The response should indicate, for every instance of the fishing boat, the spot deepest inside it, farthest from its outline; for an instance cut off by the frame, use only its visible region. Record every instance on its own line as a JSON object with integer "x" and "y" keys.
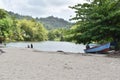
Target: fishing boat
{"x": 101, "y": 48}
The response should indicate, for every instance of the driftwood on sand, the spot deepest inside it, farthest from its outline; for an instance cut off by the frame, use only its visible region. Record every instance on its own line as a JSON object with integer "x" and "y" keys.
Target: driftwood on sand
{"x": 1, "y": 51}
{"x": 114, "y": 54}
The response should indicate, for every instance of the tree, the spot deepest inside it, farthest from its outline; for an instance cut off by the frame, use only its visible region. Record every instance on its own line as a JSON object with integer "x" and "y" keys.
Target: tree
{"x": 3, "y": 14}
{"x": 98, "y": 20}
{"x": 29, "y": 30}
{"x": 70, "y": 33}
{"x": 51, "y": 35}
{"x": 58, "y": 34}
{"x": 20, "y": 30}
{"x": 6, "y": 26}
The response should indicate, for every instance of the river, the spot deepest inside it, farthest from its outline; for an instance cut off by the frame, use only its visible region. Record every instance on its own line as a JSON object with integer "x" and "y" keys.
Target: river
{"x": 51, "y": 46}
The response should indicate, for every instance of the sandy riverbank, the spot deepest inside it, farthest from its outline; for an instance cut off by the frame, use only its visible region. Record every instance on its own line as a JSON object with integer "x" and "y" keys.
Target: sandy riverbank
{"x": 28, "y": 64}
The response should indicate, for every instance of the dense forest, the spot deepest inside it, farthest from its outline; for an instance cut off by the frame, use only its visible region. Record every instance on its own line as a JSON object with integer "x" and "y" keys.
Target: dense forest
{"x": 12, "y": 29}
{"x": 15, "y": 27}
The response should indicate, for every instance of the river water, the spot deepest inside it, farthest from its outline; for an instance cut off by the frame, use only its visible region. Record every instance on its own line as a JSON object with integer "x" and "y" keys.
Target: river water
{"x": 51, "y": 46}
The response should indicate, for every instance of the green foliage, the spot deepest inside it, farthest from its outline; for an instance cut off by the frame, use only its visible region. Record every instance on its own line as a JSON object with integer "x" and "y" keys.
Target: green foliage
{"x": 24, "y": 29}
{"x": 57, "y": 34}
{"x": 18, "y": 16}
{"x": 54, "y": 23}
{"x": 70, "y": 33}
{"x": 98, "y": 20}
{"x": 54, "y": 34}
{"x": 3, "y": 14}
{"x": 6, "y": 25}
{"x": 29, "y": 30}
{"x": 48, "y": 22}
{"x": 20, "y": 30}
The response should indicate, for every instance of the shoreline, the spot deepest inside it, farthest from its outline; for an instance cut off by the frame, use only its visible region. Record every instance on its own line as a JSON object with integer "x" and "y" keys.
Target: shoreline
{"x": 31, "y": 64}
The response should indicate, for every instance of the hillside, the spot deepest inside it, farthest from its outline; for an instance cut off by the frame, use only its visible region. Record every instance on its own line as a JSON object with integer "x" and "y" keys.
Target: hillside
{"x": 18, "y": 16}
{"x": 49, "y": 22}
{"x": 54, "y": 22}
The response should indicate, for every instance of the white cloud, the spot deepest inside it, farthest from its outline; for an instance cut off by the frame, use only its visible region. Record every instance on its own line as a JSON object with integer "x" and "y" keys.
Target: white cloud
{"x": 41, "y": 8}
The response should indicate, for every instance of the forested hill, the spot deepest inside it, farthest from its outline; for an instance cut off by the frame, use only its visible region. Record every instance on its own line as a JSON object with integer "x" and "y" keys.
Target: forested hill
{"x": 18, "y": 16}
{"x": 54, "y": 22}
{"x": 49, "y": 22}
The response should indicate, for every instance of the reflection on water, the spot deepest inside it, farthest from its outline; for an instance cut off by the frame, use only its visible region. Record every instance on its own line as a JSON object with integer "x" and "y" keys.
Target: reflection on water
{"x": 51, "y": 46}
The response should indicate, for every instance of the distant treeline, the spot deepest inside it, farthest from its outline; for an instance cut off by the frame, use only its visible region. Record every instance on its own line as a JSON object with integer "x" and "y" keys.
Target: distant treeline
{"x": 50, "y": 22}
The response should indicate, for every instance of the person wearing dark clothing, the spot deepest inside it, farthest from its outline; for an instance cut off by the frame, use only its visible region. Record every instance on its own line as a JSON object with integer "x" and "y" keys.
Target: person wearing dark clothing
{"x": 0, "y": 41}
{"x": 31, "y": 45}
{"x": 28, "y": 46}
{"x": 87, "y": 46}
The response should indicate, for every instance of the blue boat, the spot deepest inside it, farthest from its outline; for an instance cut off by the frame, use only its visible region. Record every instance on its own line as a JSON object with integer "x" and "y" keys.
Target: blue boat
{"x": 101, "y": 48}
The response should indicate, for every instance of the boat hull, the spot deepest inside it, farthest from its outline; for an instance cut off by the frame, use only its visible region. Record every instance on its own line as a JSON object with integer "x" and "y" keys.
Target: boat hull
{"x": 101, "y": 48}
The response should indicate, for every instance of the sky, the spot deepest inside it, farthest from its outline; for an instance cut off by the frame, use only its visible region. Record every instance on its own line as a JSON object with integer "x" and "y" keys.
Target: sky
{"x": 41, "y": 8}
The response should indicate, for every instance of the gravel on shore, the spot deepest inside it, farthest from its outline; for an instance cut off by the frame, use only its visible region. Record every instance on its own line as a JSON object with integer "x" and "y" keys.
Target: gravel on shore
{"x": 29, "y": 64}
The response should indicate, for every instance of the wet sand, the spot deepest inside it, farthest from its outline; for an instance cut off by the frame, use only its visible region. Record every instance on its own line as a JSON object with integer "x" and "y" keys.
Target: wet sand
{"x": 29, "y": 64}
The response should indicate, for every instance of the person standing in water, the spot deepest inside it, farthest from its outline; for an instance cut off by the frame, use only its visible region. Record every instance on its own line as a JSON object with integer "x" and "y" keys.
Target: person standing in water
{"x": 31, "y": 45}
{"x": 28, "y": 46}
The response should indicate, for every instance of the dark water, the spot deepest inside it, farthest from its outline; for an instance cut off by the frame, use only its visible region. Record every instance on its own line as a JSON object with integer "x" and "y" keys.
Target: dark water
{"x": 51, "y": 46}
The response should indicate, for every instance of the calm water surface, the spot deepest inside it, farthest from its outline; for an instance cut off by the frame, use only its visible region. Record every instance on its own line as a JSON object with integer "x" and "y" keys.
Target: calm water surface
{"x": 51, "y": 46}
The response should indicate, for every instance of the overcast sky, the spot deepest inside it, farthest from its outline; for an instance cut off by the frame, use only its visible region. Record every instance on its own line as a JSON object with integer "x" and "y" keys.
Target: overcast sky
{"x": 41, "y": 8}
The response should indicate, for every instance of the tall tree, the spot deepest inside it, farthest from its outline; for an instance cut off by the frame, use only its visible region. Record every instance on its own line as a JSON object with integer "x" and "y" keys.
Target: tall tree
{"x": 98, "y": 20}
{"x": 29, "y": 30}
{"x": 6, "y": 25}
